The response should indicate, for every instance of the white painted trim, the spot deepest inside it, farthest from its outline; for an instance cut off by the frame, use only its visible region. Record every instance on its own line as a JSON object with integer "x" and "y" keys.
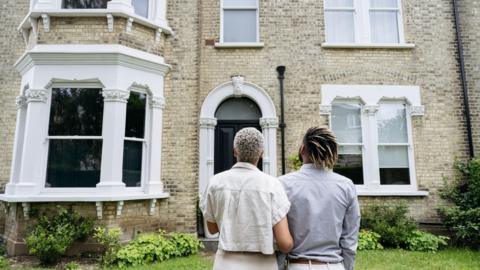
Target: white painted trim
{"x": 118, "y": 8}
{"x": 369, "y": 97}
{"x": 84, "y": 197}
{"x": 327, "y": 45}
{"x": 395, "y": 193}
{"x": 72, "y": 54}
{"x": 225, "y": 45}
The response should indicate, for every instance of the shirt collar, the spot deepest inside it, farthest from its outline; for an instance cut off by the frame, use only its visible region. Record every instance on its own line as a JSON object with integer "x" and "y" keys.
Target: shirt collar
{"x": 245, "y": 165}
{"x": 311, "y": 166}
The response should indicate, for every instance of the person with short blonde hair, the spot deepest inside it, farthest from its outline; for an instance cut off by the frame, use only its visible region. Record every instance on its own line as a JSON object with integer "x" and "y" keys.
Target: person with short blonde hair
{"x": 324, "y": 217}
{"x": 248, "y": 209}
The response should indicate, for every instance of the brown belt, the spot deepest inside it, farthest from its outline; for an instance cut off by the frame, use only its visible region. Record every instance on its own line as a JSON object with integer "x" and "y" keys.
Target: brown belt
{"x": 305, "y": 261}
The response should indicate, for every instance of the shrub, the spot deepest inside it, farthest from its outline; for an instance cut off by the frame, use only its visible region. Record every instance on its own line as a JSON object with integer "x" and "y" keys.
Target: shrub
{"x": 3, "y": 262}
{"x": 423, "y": 241}
{"x": 72, "y": 266}
{"x": 463, "y": 219}
{"x": 296, "y": 162}
{"x": 390, "y": 222}
{"x": 156, "y": 247}
{"x": 50, "y": 238}
{"x": 110, "y": 241}
{"x": 145, "y": 249}
{"x": 368, "y": 240}
{"x": 186, "y": 244}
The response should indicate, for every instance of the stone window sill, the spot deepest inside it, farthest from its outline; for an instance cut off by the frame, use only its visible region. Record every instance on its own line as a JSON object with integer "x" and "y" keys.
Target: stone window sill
{"x": 225, "y": 45}
{"x": 391, "y": 193}
{"x": 35, "y": 14}
{"x": 368, "y": 45}
{"x": 84, "y": 197}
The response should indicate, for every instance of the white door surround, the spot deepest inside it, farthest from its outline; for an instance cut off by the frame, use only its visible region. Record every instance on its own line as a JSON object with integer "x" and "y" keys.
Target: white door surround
{"x": 237, "y": 87}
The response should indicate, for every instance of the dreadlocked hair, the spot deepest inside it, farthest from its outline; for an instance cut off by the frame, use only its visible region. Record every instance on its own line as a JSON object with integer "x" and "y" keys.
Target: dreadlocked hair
{"x": 321, "y": 146}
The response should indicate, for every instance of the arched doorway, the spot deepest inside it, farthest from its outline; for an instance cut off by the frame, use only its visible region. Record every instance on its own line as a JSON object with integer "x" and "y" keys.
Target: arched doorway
{"x": 236, "y": 89}
{"x": 232, "y": 115}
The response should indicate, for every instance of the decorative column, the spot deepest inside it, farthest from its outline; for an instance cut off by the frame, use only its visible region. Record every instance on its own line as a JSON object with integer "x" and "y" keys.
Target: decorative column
{"x": 123, "y": 5}
{"x": 29, "y": 163}
{"x": 113, "y": 133}
{"x": 154, "y": 184}
{"x": 21, "y": 104}
{"x": 370, "y": 145}
{"x": 269, "y": 129}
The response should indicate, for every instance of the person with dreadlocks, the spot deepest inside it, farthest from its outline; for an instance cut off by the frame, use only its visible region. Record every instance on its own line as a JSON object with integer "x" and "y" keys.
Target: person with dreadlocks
{"x": 324, "y": 216}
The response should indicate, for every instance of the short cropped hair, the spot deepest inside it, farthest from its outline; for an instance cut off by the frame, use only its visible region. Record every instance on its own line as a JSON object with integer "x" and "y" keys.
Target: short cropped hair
{"x": 321, "y": 146}
{"x": 249, "y": 145}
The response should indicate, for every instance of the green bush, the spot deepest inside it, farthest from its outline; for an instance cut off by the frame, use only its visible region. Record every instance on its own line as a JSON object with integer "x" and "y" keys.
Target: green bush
{"x": 110, "y": 241}
{"x": 423, "y": 241}
{"x": 3, "y": 262}
{"x": 186, "y": 244}
{"x": 50, "y": 238}
{"x": 463, "y": 219}
{"x": 368, "y": 240}
{"x": 156, "y": 247}
{"x": 72, "y": 266}
{"x": 390, "y": 222}
{"x": 296, "y": 162}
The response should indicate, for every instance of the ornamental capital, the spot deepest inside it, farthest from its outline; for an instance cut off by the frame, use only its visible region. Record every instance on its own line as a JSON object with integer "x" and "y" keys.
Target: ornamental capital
{"x": 208, "y": 122}
{"x": 36, "y": 95}
{"x": 157, "y": 102}
{"x": 115, "y": 95}
{"x": 325, "y": 109}
{"x": 269, "y": 122}
{"x": 417, "y": 110}
{"x": 20, "y": 102}
{"x": 371, "y": 109}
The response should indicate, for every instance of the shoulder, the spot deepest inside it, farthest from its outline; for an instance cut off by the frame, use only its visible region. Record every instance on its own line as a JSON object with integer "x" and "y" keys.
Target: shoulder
{"x": 289, "y": 178}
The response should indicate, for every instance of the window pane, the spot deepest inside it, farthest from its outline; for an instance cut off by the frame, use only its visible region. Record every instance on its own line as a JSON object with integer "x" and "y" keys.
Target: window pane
{"x": 394, "y": 165}
{"x": 74, "y": 163}
{"x": 135, "y": 124}
{"x": 339, "y": 26}
{"x": 76, "y": 111}
{"x": 85, "y": 4}
{"x": 346, "y": 122}
{"x": 132, "y": 163}
{"x": 141, "y": 7}
{"x": 238, "y": 109}
{"x": 350, "y": 163}
{"x": 239, "y": 3}
{"x": 383, "y": 3}
{"x": 392, "y": 123}
{"x": 338, "y": 3}
{"x": 240, "y": 25}
{"x": 384, "y": 26}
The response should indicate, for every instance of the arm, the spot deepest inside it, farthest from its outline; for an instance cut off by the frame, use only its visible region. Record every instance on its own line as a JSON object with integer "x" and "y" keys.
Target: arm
{"x": 212, "y": 227}
{"x": 349, "y": 237}
{"x": 283, "y": 236}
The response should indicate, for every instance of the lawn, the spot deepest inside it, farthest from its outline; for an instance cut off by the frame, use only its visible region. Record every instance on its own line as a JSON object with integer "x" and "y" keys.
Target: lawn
{"x": 394, "y": 259}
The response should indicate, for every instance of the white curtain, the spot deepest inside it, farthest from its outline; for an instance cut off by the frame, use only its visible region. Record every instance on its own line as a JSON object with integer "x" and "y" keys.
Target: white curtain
{"x": 383, "y": 3}
{"x": 346, "y": 122}
{"x": 240, "y": 25}
{"x": 392, "y": 123}
{"x": 239, "y": 3}
{"x": 384, "y": 26}
{"x": 393, "y": 156}
{"x": 141, "y": 7}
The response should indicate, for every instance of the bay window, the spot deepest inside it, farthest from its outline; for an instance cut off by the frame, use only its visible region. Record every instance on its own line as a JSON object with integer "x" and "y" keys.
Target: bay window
{"x": 363, "y": 22}
{"x": 239, "y": 21}
{"x": 74, "y": 137}
{"x": 373, "y": 127}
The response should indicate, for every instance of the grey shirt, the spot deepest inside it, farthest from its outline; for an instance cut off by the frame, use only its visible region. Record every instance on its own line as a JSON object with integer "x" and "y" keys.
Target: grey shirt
{"x": 324, "y": 216}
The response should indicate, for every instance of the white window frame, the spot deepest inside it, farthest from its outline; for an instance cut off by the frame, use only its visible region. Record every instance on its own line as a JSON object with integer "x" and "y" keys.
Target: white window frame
{"x": 362, "y": 33}
{"x": 145, "y": 140}
{"x": 224, "y": 44}
{"x": 370, "y": 97}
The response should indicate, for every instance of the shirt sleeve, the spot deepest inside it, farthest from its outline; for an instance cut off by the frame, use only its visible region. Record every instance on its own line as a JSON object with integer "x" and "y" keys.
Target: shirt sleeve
{"x": 349, "y": 237}
{"x": 206, "y": 205}
{"x": 280, "y": 203}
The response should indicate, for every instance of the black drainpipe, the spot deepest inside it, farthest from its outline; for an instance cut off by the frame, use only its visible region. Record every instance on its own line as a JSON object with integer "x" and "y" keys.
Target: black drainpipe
{"x": 463, "y": 79}
{"x": 281, "y": 77}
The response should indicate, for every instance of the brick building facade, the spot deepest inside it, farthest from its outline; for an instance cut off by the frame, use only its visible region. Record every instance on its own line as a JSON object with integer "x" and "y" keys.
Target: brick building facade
{"x": 182, "y": 57}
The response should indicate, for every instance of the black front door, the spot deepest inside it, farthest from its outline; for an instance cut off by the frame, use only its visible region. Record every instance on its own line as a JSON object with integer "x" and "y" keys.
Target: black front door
{"x": 224, "y": 133}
